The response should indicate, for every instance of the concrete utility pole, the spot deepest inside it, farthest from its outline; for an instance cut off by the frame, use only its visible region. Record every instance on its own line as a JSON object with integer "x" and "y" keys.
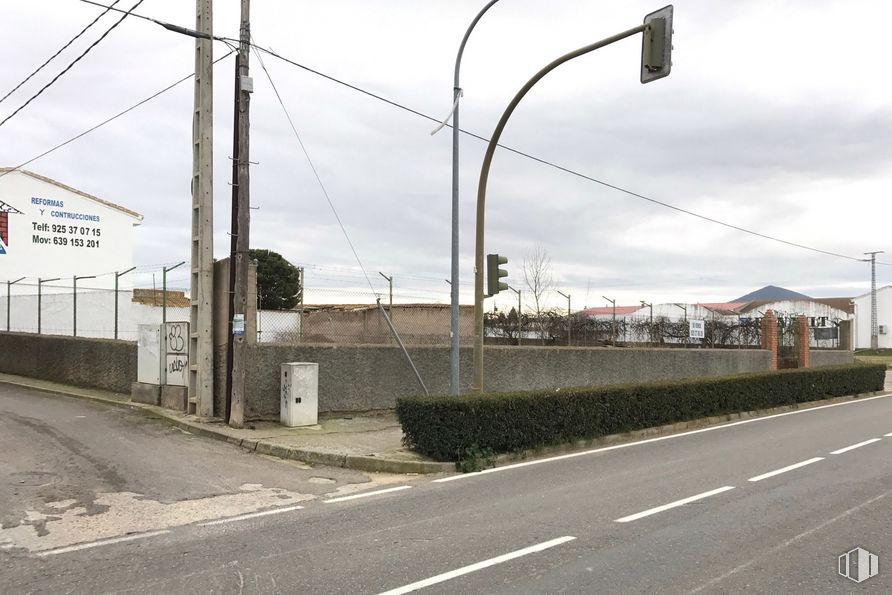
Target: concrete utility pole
{"x": 240, "y": 303}
{"x": 874, "y": 328}
{"x": 201, "y": 339}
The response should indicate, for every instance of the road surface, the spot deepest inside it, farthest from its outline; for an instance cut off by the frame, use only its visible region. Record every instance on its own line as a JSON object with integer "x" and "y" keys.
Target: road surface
{"x": 762, "y": 505}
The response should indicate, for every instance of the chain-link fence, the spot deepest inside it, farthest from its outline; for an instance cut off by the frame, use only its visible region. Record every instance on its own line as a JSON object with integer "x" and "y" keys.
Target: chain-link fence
{"x": 352, "y": 317}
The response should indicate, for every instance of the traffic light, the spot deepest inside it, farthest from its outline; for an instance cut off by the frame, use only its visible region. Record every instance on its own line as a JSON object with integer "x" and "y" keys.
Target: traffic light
{"x": 656, "y": 45}
{"x": 494, "y": 272}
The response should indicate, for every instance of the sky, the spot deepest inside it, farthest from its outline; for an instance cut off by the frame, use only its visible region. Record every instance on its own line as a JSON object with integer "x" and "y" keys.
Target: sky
{"x": 775, "y": 118}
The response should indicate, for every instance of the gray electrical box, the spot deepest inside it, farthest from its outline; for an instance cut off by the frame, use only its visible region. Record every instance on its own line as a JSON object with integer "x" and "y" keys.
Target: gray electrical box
{"x": 300, "y": 394}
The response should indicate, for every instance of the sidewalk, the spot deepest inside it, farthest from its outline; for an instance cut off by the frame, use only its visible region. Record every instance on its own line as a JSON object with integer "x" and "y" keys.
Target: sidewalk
{"x": 361, "y": 441}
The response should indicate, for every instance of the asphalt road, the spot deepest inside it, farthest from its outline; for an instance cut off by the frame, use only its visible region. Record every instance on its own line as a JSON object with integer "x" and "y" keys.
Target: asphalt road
{"x": 764, "y": 505}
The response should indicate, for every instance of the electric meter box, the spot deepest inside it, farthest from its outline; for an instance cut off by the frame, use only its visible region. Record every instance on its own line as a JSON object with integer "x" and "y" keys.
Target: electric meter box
{"x": 300, "y": 394}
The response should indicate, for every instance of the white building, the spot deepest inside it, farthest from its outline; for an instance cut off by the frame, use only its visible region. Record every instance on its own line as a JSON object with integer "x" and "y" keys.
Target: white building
{"x": 49, "y": 230}
{"x": 884, "y": 319}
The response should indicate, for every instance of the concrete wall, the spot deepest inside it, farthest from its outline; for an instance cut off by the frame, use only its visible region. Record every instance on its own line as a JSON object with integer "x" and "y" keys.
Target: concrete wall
{"x": 826, "y": 357}
{"x": 372, "y": 377}
{"x": 93, "y": 363}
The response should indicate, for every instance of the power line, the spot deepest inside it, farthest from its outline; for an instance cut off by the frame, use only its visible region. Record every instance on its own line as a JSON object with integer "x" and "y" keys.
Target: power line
{"x": 316, "y": 174}
{"x": 560, "y": 167}
{"x": 107, "y": 120}
{"x": 67, "y": 68}
{"x": 62, "y": 49}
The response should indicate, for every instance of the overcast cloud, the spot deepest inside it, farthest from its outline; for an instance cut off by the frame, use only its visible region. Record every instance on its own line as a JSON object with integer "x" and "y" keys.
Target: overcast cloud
{"x": 776, "y": 117}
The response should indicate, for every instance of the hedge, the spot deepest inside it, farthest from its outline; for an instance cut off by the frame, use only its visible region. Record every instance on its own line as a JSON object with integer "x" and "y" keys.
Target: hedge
{"x": 443, "y": 427}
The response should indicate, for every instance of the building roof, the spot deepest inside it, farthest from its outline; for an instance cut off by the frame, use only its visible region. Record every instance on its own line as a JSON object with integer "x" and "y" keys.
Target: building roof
{"x": 126, "y": 211}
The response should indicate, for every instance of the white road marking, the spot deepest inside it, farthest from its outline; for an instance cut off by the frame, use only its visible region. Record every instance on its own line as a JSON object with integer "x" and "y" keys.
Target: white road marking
{"x": 365, "y": 494}
{"x": 785, "y": 469}
{"x": 250, "y": 515}
{"x": 478, "y": 566}
{"x": 676, "y": 504}
{"x": 647, "y": 441}
{"x": 854, "y": 446}
{"x": 888, "y": 435}
{"x": 99, "y": 543}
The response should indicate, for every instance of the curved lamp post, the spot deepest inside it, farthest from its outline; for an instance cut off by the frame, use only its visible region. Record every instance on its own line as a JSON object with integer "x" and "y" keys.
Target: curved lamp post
{"x": 454, "y": 378}
{"x": 656, "y": 50}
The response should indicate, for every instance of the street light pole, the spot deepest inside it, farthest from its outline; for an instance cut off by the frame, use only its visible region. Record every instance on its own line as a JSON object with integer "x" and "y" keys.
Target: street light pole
{"x": 651, "y": 306}
{"x": 454, "y": 334}
{"x": 569, "y": 322}
{"x": 519, "y": 315}
{"x": 685, "y": 309}
{"x": 613, "y": 327}
{"x": 477, "y": 382}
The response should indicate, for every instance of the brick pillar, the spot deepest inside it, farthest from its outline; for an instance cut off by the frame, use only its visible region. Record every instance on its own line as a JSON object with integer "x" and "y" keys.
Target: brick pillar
{"x": 804, "y": 340}
{"x": 769, "y": 336}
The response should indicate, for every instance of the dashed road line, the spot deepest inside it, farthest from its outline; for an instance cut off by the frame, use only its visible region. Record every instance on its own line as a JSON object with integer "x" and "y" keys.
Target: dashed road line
{"x": 478, "y": 566}
{"x": 785, "y": 469}
{"x": 98, "y": 543}
{"x": 888, "y": 435}
{"x": 250, "y": 515}
{"x": 366, "y": 494}
{"x": 854, "y": 446}
{"x": 676, "y": 504}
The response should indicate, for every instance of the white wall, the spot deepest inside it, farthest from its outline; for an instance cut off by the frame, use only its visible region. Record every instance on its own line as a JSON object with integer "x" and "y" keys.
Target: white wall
{"x": 101, "y": 244}
{"x": 884, "y": 317}
{"x": 96, "y": 316}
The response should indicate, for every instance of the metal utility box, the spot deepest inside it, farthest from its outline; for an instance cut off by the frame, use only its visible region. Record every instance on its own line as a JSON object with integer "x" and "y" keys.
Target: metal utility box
{"x": 300, "y": 394}
{"x": 148, "y": 353}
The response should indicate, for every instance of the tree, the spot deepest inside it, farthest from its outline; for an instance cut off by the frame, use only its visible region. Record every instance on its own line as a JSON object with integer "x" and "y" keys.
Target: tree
{"x": 279, "y": 282}
{"x": 538, "y": 279}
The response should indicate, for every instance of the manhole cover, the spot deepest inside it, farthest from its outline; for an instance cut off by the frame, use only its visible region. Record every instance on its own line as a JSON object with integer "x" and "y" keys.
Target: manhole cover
{"x": 33, "y": 478}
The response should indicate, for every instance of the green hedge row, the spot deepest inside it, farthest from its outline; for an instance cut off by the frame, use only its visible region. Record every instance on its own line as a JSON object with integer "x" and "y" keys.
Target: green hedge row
{"x": 444, "y": 427}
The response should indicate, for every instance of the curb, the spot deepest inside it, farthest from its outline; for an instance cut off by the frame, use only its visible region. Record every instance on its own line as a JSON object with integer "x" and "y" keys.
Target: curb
{"x": 365, "y": 463}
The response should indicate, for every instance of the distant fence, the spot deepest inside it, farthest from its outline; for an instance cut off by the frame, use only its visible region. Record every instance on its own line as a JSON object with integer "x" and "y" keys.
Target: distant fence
{"x": 93, "y": 313}
{"x": 103, "y": 313}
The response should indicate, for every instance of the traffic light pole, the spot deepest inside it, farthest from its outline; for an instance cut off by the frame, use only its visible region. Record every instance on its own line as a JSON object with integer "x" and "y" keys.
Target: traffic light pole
{"x": 477, "y": 381}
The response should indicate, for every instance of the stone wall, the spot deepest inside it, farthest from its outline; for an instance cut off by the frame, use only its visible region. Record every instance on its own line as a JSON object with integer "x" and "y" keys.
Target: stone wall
{"x": 93, "y": 363}
{"x": 828, "y": 357}
{"x": 355, "y": 378}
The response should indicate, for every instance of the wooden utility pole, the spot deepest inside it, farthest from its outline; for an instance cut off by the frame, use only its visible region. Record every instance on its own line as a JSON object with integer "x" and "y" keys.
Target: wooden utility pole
{"x": 240, "y": 302}
{"x": 201, "y": 340}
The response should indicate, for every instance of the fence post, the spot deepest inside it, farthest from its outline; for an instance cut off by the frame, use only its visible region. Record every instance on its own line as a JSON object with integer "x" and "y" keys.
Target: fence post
{"x": 769, "y": 337}
{"x": 74, "y": 301}
{"x": 118, "y": 276}
{"x": 9, "y": 285}
{"x": 804, "y": 343}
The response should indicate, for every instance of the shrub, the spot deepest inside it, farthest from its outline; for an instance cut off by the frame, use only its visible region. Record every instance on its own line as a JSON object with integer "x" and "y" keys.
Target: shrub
{"x": 445, "y": 428}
